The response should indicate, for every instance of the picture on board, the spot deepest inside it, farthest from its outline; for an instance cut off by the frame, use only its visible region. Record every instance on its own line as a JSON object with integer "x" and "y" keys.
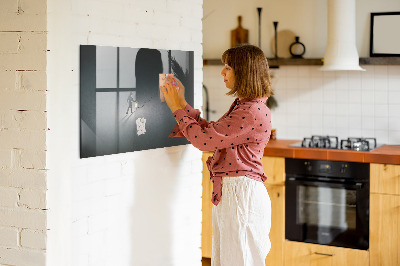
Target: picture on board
{"x": 121, "y": 108}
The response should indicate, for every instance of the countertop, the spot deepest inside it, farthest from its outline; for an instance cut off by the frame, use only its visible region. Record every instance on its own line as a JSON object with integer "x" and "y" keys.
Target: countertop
{"x": 388, "y": 154}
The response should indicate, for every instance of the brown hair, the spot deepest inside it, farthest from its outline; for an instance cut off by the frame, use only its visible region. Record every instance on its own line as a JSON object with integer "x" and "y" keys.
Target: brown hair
{"x": 250, "y": 66}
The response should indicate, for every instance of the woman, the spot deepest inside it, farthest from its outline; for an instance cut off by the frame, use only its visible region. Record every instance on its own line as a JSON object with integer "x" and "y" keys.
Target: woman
{"x": 242, "y": 211}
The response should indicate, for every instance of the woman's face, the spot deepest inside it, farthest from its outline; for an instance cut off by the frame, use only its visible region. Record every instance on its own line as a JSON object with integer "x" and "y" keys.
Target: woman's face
{"x": 229, "y": 76}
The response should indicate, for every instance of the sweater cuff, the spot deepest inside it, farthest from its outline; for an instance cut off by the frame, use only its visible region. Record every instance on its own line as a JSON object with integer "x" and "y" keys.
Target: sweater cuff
{"x": 178, "y": 115}
{"x": 194, "y": 113}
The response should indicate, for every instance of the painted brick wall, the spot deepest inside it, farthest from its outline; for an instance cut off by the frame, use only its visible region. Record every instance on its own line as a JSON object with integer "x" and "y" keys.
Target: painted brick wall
{"x": 23, "y": 128}
{"x": 140, "y": 208}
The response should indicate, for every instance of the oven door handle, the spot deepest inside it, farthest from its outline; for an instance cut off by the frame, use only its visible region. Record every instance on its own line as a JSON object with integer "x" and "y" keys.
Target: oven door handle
{"x": 357, "y": 185}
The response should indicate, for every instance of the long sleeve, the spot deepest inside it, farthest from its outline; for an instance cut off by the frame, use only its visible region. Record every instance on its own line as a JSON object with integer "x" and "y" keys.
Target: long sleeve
{"x": 238, "y": 140}
{"x": 232, "y": 130}
{"x": 193, "y": 113}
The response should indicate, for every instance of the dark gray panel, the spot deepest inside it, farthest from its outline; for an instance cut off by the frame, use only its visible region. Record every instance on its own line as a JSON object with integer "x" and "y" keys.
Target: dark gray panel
{"x": 135, "y": 99}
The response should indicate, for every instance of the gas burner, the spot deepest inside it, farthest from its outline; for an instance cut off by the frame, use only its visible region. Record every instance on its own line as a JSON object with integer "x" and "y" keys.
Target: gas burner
{"x": 332, "y": 142}
{"x": 327, "y": 142}
{"x": 358, "y": 144}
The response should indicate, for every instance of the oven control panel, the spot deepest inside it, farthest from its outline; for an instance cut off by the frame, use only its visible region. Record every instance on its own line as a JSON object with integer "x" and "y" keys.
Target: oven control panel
{"x": 337, "y": 169}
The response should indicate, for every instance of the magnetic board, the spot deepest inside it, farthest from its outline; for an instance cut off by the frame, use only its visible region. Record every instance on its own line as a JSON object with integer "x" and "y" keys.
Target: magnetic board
{"x": 120, "y": 106}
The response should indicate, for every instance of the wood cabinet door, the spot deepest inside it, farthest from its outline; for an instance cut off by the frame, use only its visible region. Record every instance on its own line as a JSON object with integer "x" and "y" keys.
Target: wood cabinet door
{"x": 385, "y": 178}
{"x": 304, "y": 254}
{"x": 206, "y": 225}
{"x": 384, "y": 236}
{"x": 277, "y": 233}
{"x": 274, "y": 168}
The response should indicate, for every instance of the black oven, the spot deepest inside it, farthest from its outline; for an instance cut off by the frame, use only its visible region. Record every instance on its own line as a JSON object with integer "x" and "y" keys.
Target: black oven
{"x": 327, "y": 202}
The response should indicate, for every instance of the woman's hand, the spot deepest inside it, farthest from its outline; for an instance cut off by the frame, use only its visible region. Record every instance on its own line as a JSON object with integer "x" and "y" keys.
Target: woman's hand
{"x": 172, "y": 95}
{"x": 181, "y": 91}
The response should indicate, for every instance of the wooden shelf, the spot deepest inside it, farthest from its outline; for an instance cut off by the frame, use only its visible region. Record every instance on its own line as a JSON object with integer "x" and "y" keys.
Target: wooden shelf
{"x": 273, "y": 63}
{"x": 380, "y": 61}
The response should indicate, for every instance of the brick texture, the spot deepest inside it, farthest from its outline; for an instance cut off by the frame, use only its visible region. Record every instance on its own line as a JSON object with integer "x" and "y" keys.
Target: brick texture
{"x": 8, "y": 197}
{"x": 23, "y": 126}
{"x": 33, "y": 239}
{"x": 9, "y": 237}
{"x": 23, "y": 218}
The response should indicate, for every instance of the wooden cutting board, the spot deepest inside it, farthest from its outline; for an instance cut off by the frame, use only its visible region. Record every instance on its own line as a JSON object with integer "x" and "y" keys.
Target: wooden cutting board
{"x": 239, "y": 35}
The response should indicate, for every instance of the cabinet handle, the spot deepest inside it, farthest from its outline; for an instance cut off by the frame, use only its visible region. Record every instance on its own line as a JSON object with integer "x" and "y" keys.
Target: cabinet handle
{"x": 324, "y": 254}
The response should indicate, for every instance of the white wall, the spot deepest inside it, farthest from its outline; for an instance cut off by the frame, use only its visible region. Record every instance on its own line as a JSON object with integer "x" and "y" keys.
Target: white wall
{"x": 23, "y": 133}
{"x": 140, "y": 208}
{"x": 306, "y": 19}
{"x": 311, "y": 102}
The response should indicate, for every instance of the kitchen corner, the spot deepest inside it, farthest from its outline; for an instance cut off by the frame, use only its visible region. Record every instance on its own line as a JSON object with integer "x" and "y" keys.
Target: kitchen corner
{"x": 382, "y": 192}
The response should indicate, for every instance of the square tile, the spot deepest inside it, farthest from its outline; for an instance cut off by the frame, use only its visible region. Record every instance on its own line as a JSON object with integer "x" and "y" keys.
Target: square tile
{"x": 381, "y": 110}
{"x": 368, "y": 110}
{"x": 381, "y": 123}
{"x": 394, "y": 97}
{"x": 329, "y": 109}
{"x": 381, "y": 97}
{"x": 292, "y": 83}
{"x": 382, "y": 136}
{"x": 355, "y": 122}
{"x": 394, "y": 137}
{"x": 342, "y": 122}
{"x": 394, "y": 123}
{"x": 367, "y": 96}
{"x": 355, "y": 109}
{"x": 394, "y": 110}
{"x": 342, "y": 109}
{"x": 355, "y": 96}
{"x": 368, "y": 123}
{"x": 381, "y": 84}
{"x": 381, "y": 71}
{"x": 291, "y": 71}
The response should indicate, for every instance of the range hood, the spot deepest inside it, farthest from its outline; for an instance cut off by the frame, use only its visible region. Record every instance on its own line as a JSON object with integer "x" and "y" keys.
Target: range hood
{"x": 341, "y": 51}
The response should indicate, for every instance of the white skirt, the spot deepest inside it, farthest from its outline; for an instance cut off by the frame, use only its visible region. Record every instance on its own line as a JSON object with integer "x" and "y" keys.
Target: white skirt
{"x": 241, "y": 223}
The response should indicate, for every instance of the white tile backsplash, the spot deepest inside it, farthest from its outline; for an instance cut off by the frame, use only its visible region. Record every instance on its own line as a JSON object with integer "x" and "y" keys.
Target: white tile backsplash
{"x": 381, "y": 96}
{"x": 345, "y": 103}
{"x": 394, "y": 124}
{"x": 394, "y": 110}
{"x": 394, "y": 97}
{"x": 394, "y": 82}
{"x": 381, "y": 83}
{"x": 381, "y": 110}
{"x": 367, "y": 96}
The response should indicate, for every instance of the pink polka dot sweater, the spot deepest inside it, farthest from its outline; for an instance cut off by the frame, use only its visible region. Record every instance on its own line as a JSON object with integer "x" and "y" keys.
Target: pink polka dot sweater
{"x": 238, "y": 139}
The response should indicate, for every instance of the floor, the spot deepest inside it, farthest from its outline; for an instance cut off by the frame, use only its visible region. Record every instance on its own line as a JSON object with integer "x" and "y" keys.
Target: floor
{"x": 206, "y": 261}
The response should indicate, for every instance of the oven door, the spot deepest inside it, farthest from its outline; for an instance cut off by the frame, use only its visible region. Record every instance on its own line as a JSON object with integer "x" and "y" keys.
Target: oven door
{"x": 327, "y": 213}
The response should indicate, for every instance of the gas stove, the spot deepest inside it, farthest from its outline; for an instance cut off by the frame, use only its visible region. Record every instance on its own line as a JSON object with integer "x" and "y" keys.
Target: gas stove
{"x": 332, "y": 142}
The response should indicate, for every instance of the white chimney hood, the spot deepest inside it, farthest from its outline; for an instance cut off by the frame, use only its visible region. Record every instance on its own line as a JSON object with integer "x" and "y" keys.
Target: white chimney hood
{"x": 341, "y": 51}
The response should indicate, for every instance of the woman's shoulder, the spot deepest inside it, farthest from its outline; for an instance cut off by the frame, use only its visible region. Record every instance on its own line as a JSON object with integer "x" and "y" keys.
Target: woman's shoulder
{"x": 257, "y": 104}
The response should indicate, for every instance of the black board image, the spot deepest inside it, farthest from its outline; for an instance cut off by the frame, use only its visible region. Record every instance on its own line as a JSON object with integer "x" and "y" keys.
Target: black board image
{"x": 120, "y": 106}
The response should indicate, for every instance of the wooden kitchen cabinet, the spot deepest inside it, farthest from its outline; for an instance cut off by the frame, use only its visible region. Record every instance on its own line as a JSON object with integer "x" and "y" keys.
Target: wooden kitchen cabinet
{"x": 274, "y": 168}
{"x": 385, "y": 178}
{"x": 385, "y": 215}
{"x": 206, "y": 225}
{"x": 384, "y": 236}
{"x": 277, "y": 233}
{"x": 305, "y": 254}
